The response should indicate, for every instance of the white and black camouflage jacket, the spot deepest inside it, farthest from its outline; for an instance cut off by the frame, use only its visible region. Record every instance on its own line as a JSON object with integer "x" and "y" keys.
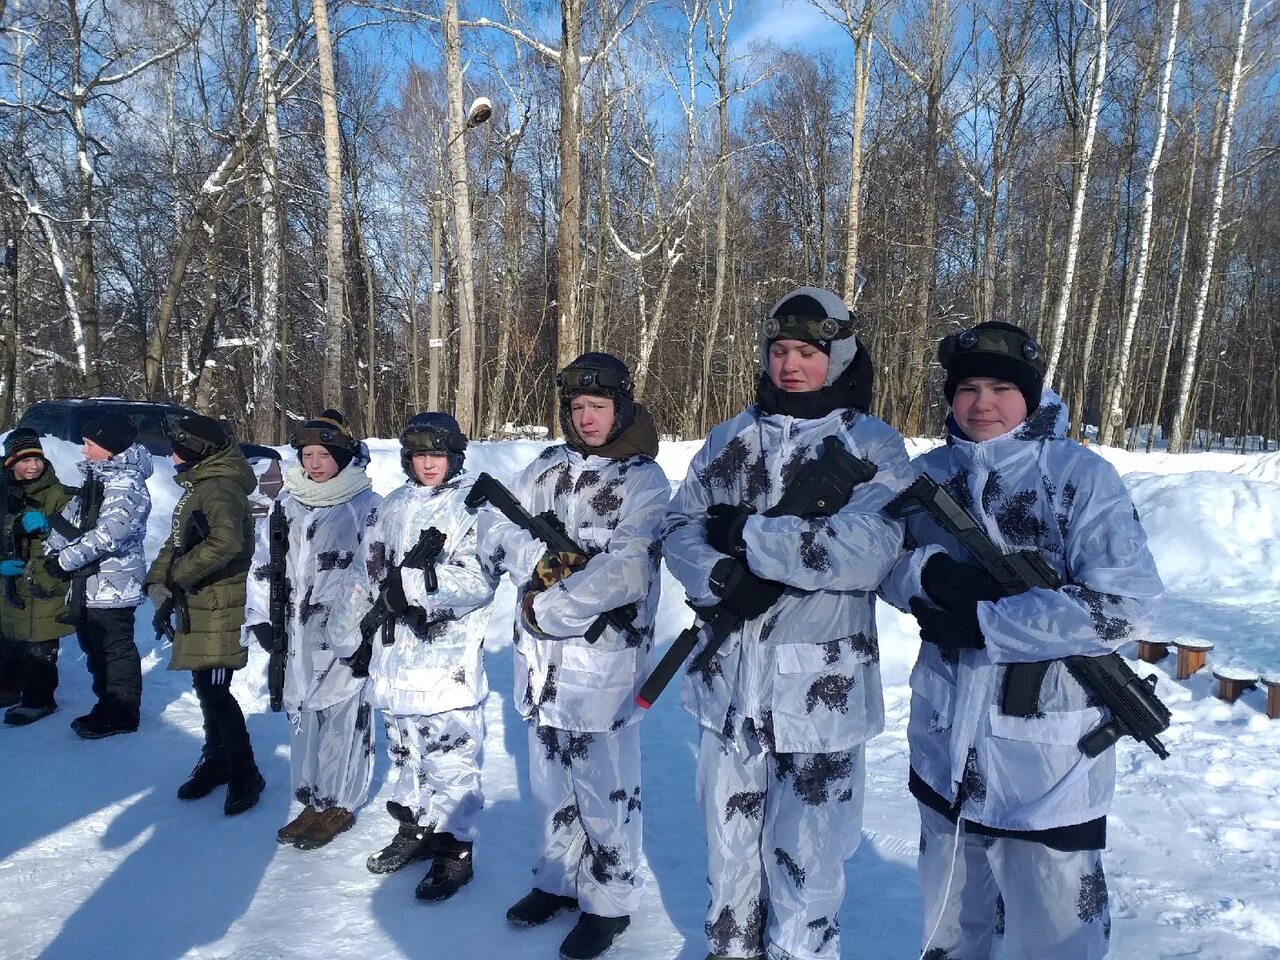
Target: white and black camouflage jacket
{"x": 324, "y": 544}
{"x": 1031, "y": 489}
{"x": 116, "y": 540}
{"x": 612, "y": 509}
{"x": 437, "y": 661}
{"x": 806, "y": 673}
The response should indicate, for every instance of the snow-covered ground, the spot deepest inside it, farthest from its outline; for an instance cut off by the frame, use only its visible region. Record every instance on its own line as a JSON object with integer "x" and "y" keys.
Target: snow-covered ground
{"x": 99, "y": 860}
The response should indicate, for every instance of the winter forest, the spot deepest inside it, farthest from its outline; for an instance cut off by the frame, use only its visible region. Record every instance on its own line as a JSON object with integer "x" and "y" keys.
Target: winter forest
{"x": 259, "y": 207}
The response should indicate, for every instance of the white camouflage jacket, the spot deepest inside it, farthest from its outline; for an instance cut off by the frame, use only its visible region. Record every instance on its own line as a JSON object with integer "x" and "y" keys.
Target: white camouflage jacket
{"x": 1030, "y": 489}
{"x": 324, "y": 544}
{"x": 806, "y": 673}
{"x": 613, "y": 509}
{"x": 437, "y": 660}
{"x": 116, "y": 540}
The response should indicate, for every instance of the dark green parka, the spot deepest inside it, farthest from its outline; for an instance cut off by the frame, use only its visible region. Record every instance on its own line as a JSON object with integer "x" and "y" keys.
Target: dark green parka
{"x": 43, "y": 597}
{"x": 211, "y": 574}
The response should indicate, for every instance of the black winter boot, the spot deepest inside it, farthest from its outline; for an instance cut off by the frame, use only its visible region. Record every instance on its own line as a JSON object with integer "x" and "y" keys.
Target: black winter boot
{"x": 210, "y": 773}
{"x": 10, "y": 695}
{"x": 22, "y": 715}
{"x": 243, "y": 789}
{"x": 592, "y": 936}
{"x": 410, "y": 844}
{"x": 106, "y": 720}
{"x": 450, "y": 869}
{"x": 537, "y": 907}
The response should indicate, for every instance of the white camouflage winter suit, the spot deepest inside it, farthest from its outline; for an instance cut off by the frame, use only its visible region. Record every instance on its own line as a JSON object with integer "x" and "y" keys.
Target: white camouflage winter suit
{"x": 1030, "y": 489}
{"x": 331, "y": 747}
{"x": 430, "y": 683}
{"x": 579, "y": 698}
{"x": 790, "y": 699}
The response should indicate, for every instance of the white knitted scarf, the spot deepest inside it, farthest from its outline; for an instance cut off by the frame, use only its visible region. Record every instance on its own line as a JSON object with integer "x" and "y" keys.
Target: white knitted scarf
{"x": 349, "y": 482}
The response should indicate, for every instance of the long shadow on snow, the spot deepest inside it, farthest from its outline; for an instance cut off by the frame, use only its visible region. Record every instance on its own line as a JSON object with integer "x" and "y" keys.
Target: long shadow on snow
{"x": 47, "y": 760}
{"x": 197, "y": 871}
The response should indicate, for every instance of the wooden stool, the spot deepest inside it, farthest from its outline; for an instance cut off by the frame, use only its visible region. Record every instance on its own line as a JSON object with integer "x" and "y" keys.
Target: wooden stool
{"x": 1272, "y": 683}
{"x": 1191, "y": 656}
{"x": 1233, "y": 682}
{"x": 1153, "y": 651}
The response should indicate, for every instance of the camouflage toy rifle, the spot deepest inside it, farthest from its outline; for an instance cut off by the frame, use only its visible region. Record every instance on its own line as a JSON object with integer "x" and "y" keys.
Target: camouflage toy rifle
{"x": 277, "y": 603}
{"x": 821, "y": 488}
{"x": 1135, "y": 709}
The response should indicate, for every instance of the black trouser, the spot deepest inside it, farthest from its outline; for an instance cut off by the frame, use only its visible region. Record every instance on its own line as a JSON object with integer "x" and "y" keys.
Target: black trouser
{"x": 106, "y": 637}
{"x": 12, "y": 660}
{"x": 39, "y": 673}
{"x": 225, "y": 735}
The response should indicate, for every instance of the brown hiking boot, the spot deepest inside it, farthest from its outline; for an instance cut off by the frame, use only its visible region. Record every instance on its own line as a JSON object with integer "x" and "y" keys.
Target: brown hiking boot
{"x": 290, "y": 831}
{"x": 324, "y": 826}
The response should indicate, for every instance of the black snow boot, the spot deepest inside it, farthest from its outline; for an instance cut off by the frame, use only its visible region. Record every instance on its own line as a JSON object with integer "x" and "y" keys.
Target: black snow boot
{"x": 537, "y": 907}
{"x": 243, "y": 788}
{"x": 450, "y": 869}
{"x": 592, "y": 936}
{"x": 10, "y": 693}
{"x": 410, "y": 844}
{"x": 106, "y": 720}
{"x": 22, "y": 715}
{"x": 210, "y": 773}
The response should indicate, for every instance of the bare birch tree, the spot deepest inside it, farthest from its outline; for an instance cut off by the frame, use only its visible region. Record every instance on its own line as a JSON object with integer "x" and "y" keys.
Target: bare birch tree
{"x": 335, "y": 268}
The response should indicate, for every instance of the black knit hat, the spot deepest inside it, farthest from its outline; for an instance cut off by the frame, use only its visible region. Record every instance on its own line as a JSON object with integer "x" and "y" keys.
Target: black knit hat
{"x": 20, "y": 444}
{"x": 195, "y": 437}
{"x": 997, "y": 350}
{"x": 433, "y": 432}
{"x": 329, "y": 430}
{"x": 597, "y": 375}
{"x": 111, "y": 431}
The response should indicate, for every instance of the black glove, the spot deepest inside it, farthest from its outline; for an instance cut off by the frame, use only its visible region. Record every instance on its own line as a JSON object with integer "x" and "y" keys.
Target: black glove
{"x": 262, "y": 634}
{"x": 393, "y": 592}
{"x": 724, "y": 528}
{"x": 54, "y": 568}
{"x": 947, "y": 630}
{"x": 159, "y": 595}
{"x": 359, "y": 661}
{"x": 740, "y": 591}
{"x": 956, "y": 586}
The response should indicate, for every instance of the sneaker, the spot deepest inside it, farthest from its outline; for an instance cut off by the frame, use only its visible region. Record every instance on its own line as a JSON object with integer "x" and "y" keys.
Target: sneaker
{"x": 537, "y": 907}
{"x": 592, "y": 936}
{"x": 209, "y": 773}
{"x": 243, "y": 790}
{"x": 21, "y": 716}
{"x": 324, "y": 826}
{"x": 290, "y": 831}
{"x": 450, "y": 871}
{"x": 410, "y": 844}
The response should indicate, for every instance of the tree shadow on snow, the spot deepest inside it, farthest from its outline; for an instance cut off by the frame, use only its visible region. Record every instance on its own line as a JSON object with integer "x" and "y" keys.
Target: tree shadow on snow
{"x": 196, "y": 870}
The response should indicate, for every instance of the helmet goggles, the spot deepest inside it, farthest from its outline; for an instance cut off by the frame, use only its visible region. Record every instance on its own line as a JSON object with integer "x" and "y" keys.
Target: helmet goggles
{"x": 308, "y": 436}
{"x": 1006, "y": 343}
{"x": 791, "y": 327}
{"x": 573, "y": 378}
{"x": 179, "y": 436}
{"x": 417, "y": 439}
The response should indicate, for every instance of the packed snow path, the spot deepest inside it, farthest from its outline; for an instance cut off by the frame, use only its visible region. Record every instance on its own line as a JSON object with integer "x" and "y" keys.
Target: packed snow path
{"x": 98, "y": 859}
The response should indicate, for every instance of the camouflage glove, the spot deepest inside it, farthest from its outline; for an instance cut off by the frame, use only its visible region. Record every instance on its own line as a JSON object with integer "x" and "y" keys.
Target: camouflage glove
{"x": 555, "y": 566}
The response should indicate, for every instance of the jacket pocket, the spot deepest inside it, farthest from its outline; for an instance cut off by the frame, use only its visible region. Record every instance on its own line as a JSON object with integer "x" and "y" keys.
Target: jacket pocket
{"x": 819, "y": 698}
{"x": 939, "y": 693}
{"x": 1058, "y": 727}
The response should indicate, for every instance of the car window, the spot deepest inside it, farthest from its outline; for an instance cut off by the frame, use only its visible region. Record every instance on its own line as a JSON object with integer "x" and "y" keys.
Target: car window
{"x": 46, "y": 419}
{"x": 151, "y": 433}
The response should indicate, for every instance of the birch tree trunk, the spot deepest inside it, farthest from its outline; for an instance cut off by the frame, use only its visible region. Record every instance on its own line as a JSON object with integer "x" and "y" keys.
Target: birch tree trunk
{"x": 465, "y": 396}
{"x": 1112, "y": 421}
{"x": 1081, "y": 188}
{"x": 334, "y": 325}
{"x": 1178, "y": 435}
{"x": 568, "y": 226}
{"x": 265, "y": 415}
{"x": 86, "y": 283}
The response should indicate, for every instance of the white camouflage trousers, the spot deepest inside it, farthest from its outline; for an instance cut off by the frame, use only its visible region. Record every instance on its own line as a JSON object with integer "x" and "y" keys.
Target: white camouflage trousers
{"x": 779, "y": 829}
{"x": 331, "y": 754}
{"x": 436, "y": 770}
{"x": 586, "y": 797}
{"x": 1039, "y": 901}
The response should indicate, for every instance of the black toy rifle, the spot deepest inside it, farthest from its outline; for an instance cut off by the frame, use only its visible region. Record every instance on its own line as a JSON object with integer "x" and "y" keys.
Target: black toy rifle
{"x": 9, "y": 536}
{"x": 91, "y": 496}
{"x": 1136, "y": 711}
{"x": 277, "y": 603}
{"x": 175, "y": 608}
{"x": 821, "y": 487}
{"x": 546, "y": 529}
{"x": 381, "y": 618}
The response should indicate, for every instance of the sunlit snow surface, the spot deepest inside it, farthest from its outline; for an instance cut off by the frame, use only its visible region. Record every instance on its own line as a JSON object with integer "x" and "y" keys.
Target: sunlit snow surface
{"x": 99, "y": 860}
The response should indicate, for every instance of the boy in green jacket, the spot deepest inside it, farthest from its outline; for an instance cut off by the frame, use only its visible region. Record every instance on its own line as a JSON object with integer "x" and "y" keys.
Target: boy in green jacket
{"x": 200, "y": 577}
{"x": 33, "y": 605}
